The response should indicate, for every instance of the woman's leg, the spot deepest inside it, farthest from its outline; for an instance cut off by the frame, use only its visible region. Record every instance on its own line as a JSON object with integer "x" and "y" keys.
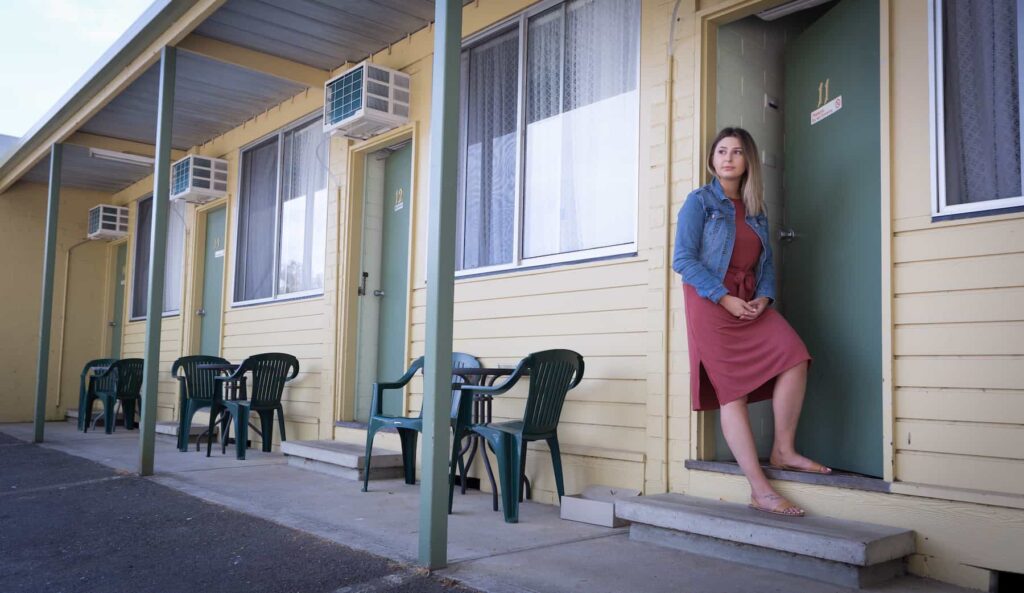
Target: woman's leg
{"x": 787, "y": 401}
{"x": 736, "y": 428}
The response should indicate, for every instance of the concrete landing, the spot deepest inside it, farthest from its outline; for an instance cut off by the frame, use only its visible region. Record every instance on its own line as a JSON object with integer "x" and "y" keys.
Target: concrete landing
{"x": 845, "y": 553}
{"x": 344, "y": 460}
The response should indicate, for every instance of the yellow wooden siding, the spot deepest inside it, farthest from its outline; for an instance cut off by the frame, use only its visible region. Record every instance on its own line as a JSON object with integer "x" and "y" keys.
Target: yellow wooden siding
{"x": 958, "y": 335}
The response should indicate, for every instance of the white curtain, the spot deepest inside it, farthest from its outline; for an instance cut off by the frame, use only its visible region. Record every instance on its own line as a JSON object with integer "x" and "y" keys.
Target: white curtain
{"x": 981, "y": 108}
{"x": 174, "y": 262}
{"x": 487, "y": 208}
{"x": 303, "y": 210}
{"x": 173, "y": 258}
{"x": 582, "y": 127}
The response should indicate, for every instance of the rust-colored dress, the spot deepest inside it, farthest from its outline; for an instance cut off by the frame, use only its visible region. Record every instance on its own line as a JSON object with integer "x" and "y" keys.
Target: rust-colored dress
{"x": 729, "y": 357}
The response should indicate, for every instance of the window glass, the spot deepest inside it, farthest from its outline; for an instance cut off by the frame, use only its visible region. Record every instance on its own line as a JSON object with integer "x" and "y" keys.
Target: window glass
{"x": 282, "y": 218}
{"x": 579, "y": 100}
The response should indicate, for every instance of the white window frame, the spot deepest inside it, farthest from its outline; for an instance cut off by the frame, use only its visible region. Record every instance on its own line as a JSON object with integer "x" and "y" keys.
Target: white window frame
{"x": 520, "y": 21}
{"x": 275, "y": 297}
{"x": 135, "y": 255}
{"x": 940, "y": 209}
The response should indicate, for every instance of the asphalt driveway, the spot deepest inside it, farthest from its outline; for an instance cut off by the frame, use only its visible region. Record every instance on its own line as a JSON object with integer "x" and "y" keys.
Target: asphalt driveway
{"x": 70, "y": 525}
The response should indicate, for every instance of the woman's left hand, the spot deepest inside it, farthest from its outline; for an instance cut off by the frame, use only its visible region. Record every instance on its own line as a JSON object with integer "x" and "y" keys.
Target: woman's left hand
{"x": 759, "y": 304}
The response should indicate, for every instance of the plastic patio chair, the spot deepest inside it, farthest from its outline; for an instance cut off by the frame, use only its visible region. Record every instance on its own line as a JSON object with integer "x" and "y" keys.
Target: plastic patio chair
{"x": 552, "y": 374}
{"x": 270, "y": 371}
{"x": 120, "y": 383}
{"x": 409, "y": 427}
{"x": 83, "y": 385}
{"x": 197, "y": 389}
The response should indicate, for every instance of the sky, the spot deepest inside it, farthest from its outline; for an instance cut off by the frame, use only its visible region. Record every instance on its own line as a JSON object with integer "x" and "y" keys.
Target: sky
{"x": 47, "y": 45}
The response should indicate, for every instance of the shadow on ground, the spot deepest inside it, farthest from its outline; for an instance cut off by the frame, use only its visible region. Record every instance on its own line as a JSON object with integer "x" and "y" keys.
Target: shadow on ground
{"x": 71, "y": 525}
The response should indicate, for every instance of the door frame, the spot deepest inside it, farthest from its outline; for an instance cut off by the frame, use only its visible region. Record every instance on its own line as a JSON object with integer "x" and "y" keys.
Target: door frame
{"x": 196, "y": 261}
{"x": 704, "y": 129}
{"x": 350, "y": 229}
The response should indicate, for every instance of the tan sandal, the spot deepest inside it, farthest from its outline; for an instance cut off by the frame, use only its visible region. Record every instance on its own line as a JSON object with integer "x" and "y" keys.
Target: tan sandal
{"x": 816, "y": 469}
{"x": 784, "y": 507}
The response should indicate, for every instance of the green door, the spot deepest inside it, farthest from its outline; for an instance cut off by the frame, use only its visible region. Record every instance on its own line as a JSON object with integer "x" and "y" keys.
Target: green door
{"x": 213, "y": 282}
{"x": 831, "y": 290}
{"x": 394, "y": 274}
{"x": 118, "y": 291}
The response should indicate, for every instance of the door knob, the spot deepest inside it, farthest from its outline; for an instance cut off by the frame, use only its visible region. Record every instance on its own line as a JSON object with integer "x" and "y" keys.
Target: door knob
{"x": 787, "y": 235}
{"x": 201, "y": 312}
{"x": 378, "y": 292}
{"x": 112, "y": 323}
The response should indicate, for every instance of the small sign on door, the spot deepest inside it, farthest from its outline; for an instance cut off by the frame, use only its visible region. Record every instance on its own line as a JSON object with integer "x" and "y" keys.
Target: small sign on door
{"x": 399, "y": 199}
{"x": 826, "y": 110}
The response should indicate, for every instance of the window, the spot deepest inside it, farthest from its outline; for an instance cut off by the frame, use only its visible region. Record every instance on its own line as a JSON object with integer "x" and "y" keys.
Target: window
{"x": 976, "y": 125}
{"x": 173, "y": 262}
{"x": 549, "y": 154}
{"x": 282, "y": 216}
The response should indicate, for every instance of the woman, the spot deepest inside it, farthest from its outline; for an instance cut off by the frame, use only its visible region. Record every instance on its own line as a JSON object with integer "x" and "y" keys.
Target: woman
{"x": 741, "y": 350}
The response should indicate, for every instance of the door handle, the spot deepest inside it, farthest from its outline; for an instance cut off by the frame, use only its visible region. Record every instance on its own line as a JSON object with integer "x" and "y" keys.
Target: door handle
{"x": 362, "y": 284}
{"x": 201, "y": 312}
{"x": 112, "y": 323}
{"x": 787, "y": 235}
{"x": 378, "y": 292}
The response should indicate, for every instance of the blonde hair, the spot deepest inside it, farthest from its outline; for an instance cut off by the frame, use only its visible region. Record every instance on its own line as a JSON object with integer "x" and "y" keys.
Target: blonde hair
{"x": 752, "y": 183}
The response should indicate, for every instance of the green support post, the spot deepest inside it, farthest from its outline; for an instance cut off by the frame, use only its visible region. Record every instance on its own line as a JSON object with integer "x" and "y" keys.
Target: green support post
{"x": 157, "y": 253}
{"x": 46, "y": 307}
{"x": 437, "y": 368}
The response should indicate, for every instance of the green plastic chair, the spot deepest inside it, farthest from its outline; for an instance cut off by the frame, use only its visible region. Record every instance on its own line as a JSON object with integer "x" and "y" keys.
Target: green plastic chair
{"x": 83, "y": 385}
{"x": 197, "y": 389}
{"x": 270, "y": 371}
{"x": 552, "y": 374}
{"x": 409, "y": 428}
{"x": 121, "y": 382}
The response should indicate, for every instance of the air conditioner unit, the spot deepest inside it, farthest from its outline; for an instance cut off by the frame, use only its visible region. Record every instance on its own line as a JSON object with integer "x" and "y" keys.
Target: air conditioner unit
{"x": 365, "y": 100}
{"x": 108, "y": 222}
{"x": 199, "y": 179}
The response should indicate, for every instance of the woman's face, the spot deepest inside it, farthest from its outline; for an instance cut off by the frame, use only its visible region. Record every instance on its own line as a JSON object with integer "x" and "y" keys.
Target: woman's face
{"x": 728, "y": 160}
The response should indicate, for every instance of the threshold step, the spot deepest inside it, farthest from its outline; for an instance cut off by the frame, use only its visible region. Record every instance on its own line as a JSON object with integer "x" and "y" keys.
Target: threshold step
{"x": 344, "y": 460}
{"x": 846, "y": 553}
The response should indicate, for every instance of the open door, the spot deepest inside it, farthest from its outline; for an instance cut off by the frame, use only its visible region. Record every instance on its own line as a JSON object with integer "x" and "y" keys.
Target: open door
{"x": 831, "y": 292}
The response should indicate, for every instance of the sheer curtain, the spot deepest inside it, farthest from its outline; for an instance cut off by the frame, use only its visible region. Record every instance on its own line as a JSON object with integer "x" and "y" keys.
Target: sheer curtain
{"x": 981, "y": 108}
{"x": 140, "y": 276}
{"x": 582, "y": 127}
{"x": 174, "y": 262}
{"x": 254, "y": 264}
{"x": 487, "y": 210}
{"x": 303, "y": 210}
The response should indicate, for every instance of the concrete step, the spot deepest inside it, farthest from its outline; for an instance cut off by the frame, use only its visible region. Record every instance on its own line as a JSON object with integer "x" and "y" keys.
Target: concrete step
{"x": 355, "y": 434}
{"x": 846, "y": 553}
{"x": 170, "y": 428}
{"x": 345, "y": 460}
{"x": 71, "y": 415}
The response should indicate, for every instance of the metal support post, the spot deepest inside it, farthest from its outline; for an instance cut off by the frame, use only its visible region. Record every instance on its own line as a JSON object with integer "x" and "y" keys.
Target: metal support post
{"x": 444, "y": 141}
{"x": 46, "y": 305}
{"x": 157, "y": 253}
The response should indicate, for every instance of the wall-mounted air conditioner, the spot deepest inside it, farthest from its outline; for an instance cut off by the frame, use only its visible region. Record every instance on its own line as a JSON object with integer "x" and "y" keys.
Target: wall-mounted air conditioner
{"x": 199, "y": 179}
{"x": 108, "y": 222}
{"x": 365, "y": 100}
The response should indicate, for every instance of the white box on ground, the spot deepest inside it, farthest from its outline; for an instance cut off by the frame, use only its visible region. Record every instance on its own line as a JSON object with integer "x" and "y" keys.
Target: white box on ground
{"x": 596, "y": 505}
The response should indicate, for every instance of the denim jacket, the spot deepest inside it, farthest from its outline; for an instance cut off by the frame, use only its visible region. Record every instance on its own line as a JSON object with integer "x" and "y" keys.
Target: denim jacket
{"x": 705, "y": 235}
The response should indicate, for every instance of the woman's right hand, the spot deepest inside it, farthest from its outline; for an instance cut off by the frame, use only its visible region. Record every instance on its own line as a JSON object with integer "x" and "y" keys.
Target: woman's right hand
{"x": 737, "y": 307}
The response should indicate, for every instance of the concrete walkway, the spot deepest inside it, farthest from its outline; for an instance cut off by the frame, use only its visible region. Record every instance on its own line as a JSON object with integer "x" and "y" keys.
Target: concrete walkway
{"x": 542, "y": 553}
